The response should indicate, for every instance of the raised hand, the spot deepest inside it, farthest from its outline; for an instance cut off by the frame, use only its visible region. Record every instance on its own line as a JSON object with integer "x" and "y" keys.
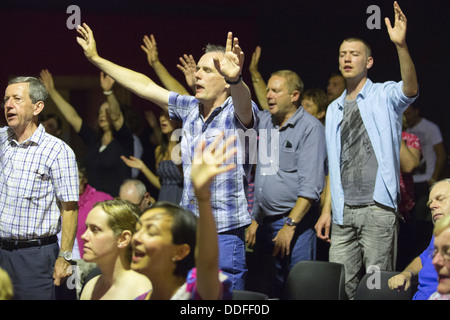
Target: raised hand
{"x": 151, "y": 49}
{"x": 106, "y": 82}
{"x": 87, "y": 41}
{"x": 255, "y": 60}
{"x": 47, "y": 80}
{"x": 188, "y": 66}
{"x": 231, "y": 64}
{"x": 397, "y": 34}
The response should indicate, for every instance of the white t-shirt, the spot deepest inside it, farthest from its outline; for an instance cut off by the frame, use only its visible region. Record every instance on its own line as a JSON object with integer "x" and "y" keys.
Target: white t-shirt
{"x": 429, "y": 135}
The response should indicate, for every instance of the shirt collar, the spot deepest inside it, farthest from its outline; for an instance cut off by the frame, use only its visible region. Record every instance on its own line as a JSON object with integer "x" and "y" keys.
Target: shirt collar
{"x": 363, "y": 93}
{"x": 35, "y": 138}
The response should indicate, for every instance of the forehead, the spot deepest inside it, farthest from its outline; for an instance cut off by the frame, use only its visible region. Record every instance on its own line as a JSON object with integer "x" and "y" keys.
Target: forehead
{"x": 156, "y": 216}
{"x": 277, "y": 81}
{"x": 17, "y": 88}
{"x": 207, "y": 59}
{"x": 441, "y": 188}
{"x": 352, "y": 46}
{"x": 97, "y": 216}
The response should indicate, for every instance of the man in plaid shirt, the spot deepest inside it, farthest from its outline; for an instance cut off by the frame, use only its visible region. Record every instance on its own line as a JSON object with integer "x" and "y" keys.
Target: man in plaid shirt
{"x": 38, "y": 189}
{"x": 222, "y": 102}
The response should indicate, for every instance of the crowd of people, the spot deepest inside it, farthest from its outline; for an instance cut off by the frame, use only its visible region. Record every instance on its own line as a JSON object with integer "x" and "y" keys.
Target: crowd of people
{"x": 349, "y": 167}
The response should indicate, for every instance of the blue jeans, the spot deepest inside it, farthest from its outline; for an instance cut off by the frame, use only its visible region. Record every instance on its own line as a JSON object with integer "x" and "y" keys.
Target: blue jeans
{"x": 303, "y": 247}
{"x": 232, "y": 256}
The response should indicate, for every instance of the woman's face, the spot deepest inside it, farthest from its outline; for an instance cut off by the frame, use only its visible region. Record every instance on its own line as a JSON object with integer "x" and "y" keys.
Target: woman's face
{"x": 104, "y": 120}
{"x": 153, "y": 250}
{"x": 100, "y": 242}
{"x": 167, "y": 125}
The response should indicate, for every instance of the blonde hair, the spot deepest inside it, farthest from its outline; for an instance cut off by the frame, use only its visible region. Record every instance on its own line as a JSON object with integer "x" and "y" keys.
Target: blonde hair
{"x": 441, "y": 225}
{"x": 6, "y": 287}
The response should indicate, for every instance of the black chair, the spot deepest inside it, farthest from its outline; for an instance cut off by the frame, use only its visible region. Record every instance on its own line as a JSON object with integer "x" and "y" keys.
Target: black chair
{"x": 315, "y": 280}
{"x": 374, "y": 286}
{"x": 249, "y": 295}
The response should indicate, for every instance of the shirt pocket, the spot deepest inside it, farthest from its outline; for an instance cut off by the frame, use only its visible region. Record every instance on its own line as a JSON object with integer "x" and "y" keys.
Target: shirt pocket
{"x": 38, "y": 182}
{"x": 288, "y": 159}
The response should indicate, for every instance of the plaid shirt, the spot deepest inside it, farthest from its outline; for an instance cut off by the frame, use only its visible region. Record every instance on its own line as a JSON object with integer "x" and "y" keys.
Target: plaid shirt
{"x": 228, "y": 190}
{"x": 35, "y": 176}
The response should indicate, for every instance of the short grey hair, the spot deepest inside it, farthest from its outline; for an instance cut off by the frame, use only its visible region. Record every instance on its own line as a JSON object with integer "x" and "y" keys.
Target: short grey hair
{"x": 36, "y": 89}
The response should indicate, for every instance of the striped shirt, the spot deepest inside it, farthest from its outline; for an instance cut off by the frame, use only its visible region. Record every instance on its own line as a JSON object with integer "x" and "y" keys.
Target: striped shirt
{"x": 35, "y": 176}
{"x": 228, "y": 190}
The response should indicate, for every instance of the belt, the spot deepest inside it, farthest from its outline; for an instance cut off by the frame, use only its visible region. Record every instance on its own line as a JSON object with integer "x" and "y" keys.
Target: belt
{"x": 359, "y": 206}
{"x": 13, "y": 244}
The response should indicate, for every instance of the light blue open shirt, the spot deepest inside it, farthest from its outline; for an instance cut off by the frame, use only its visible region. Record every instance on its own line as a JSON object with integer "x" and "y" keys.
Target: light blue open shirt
{"x": 381, "y": 106}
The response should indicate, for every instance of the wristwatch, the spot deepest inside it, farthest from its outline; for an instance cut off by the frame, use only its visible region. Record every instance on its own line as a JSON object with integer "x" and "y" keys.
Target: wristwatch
{"x": 67, "y": 255}
{"x": 291, "y": 222}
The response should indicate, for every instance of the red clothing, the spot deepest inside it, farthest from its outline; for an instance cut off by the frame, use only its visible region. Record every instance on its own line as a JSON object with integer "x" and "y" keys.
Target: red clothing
{"x": 87, "y": 200}
{"x": 406, "y": 179}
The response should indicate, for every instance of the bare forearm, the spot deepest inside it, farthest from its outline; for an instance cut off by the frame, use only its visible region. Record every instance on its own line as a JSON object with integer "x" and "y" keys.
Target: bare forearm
{"x": 207, "y": 252}
{"x": 69, "y": 229}
{"x": 242, "y": 102}
{"x": 134, "y": 81}
{"x": 408, "y": 71}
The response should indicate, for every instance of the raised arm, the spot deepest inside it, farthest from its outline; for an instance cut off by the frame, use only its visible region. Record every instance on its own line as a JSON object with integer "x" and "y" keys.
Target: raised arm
{"x": 151, "y": 49}
{"x": 207, "y": 163}
{"x": 67, "y": 110}
{"x": 116, "y": 115}
{"x": 137, "y": 163}
{"x": 397, "y": 35}
{"x": 136, "y": 82}
{"x": 259, "y": 85}
{"x": 230, "y": 67}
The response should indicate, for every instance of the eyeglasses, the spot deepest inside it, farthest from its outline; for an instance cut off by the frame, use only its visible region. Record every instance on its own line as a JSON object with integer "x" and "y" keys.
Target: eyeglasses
{"x": 445, "y": 255}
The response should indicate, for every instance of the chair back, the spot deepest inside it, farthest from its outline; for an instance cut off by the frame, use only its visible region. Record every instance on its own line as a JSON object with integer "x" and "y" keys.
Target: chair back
{"x": 315, "y": 280}
{"x": 374, "y": 286}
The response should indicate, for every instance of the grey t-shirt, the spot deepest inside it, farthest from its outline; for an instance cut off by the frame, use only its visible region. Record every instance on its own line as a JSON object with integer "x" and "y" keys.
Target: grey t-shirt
{"x": 358, "y": 162}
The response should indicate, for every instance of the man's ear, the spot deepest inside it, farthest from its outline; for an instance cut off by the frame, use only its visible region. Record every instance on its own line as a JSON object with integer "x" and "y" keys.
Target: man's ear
{"x": 295, "y": 96}
{"x": 369, "y": 63}
{"x": 38, "y": 107}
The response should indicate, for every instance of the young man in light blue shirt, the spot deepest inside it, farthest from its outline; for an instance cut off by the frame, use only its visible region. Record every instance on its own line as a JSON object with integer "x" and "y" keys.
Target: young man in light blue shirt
{"x": 363, "y": 133}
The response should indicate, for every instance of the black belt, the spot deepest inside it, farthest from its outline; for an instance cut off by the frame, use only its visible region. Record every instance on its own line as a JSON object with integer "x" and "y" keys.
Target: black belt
{"x": 359, "y": 206}
{"x": 12, "y": 244}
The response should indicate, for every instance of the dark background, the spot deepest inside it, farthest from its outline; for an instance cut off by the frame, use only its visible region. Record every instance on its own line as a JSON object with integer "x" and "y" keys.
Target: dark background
{"x": 300, "y": 35}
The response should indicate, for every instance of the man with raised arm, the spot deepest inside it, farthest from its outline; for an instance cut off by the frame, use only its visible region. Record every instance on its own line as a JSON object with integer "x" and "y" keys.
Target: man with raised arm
{"x": 363, "y": 133}
{"x": 222, "y": 102}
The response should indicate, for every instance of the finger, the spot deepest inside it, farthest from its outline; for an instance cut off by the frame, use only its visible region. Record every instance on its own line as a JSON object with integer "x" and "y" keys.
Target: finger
{"x": 388, "y": 24}
{"x": 228, "y": 46}
{"x": 153, "y": 39}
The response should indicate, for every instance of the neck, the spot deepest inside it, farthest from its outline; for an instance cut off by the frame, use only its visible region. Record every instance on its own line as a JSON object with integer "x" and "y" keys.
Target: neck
{"x": 354, "y": 86}
{"x": 111, "y": 272}
{"x": 22, "y": 134}
{"x": 107, "y": 137}
{"x": 208, "y": 106}
{"x": 283, "y": 118}
{"x": 165, "y": 287}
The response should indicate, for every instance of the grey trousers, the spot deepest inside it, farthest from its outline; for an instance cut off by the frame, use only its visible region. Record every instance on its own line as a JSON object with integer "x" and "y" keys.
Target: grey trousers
{"x": 367, "y": 239}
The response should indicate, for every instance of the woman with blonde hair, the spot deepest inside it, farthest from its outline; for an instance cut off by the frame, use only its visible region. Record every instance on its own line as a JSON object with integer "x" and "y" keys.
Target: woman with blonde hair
{"x": 109, "y": 228}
